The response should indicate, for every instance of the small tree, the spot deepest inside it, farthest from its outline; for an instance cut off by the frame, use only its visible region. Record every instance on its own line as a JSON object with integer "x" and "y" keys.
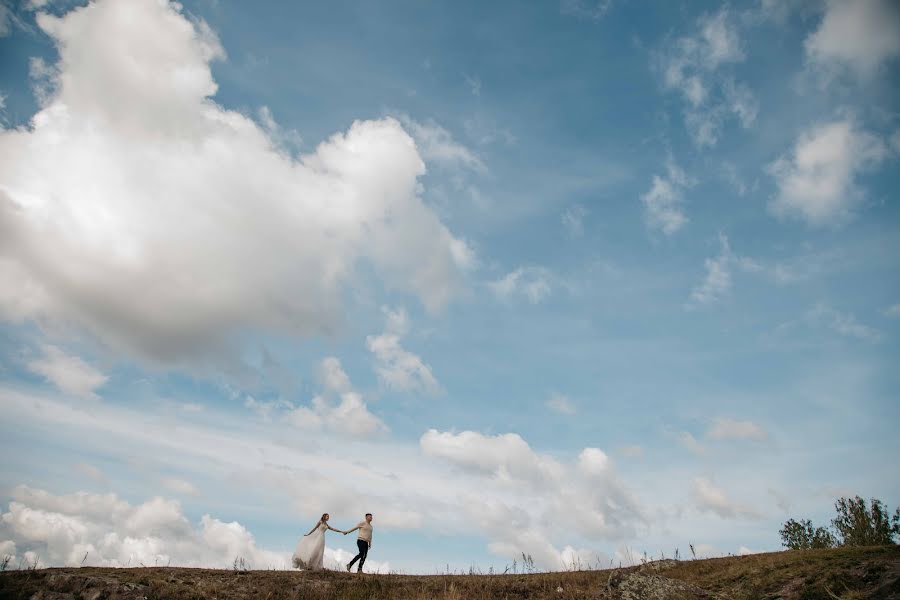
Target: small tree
{"x": 800, "y": 535}
{"x": 859, "y": 525}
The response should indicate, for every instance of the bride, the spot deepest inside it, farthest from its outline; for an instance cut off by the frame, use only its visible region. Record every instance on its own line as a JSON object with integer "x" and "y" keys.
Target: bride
{"x": 311, "y": 547}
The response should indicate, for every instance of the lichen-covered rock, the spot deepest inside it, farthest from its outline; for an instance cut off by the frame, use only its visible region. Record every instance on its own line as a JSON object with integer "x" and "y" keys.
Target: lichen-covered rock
{"x": 645, "y": 586}
{"x": 657, "y": 566}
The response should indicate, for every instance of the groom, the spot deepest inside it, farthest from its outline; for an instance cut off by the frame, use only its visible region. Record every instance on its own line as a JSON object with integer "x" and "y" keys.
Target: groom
{"x": 363, "y": 542}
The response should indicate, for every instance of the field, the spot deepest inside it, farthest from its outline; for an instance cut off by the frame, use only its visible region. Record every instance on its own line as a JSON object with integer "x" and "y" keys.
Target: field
{"x": 842, "y": 573}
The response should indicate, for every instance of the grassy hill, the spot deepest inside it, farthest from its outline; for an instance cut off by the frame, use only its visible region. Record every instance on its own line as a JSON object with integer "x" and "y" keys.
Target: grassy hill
{"x": 844, "y": 573}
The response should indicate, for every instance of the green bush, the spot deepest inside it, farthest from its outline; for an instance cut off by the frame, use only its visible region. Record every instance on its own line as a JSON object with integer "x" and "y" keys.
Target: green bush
{"x": 855, "y": 525}
{"x": 858, "y": 525}
{"x": 800, "y": 535}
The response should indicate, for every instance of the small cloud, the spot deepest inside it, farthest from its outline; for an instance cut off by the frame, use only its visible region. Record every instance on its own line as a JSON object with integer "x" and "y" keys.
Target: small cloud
{"x": 288, "y": 140}
{"x": 68, "y": 373}
{"x": 484, "y": 131}
{"x": 717, "y": 281}
{"x": 663, "y": 209}
{"x": 592, "y": 10}
{"x": 573, "y": 219}
{"x": 332, "y": 376}
{"x": 731, "y": 429}
{"x": 91, "y": 472}
{"x": 5, "y": 21}
{"x": 438, "y": 146}
{"x": 855, "y": 35}
{"x": 180, "y": 486}
{"x": 817, "y": 181}
{"x": 842, "y": 323}
{"x": 263, "y": 409}
{"x": 687, "y": 440}
{"x": 713, "y": 499}
{"x": 690, "y": 66}
{"x": 339, "y": 409}
{"x": 531, "y": 282}
{"x": 474, "y": 84}
{"x": 561, "y": 404}
{"x": 893, "y": 311}
{"x": 396, "y": 367}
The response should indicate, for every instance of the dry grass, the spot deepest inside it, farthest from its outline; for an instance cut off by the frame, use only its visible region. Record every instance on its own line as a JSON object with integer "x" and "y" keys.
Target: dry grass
{"x": 844, "y": 573}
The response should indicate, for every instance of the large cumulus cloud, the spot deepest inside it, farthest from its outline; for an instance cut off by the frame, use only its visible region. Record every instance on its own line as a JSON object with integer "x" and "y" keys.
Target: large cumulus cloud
{"x": 136, "y": 207}
{"x": 104, "y": 530}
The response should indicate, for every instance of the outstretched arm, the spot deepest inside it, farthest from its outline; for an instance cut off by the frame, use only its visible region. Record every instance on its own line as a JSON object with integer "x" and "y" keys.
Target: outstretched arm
{"x": 311, "y": 530}
{"x": 333, "y": 529}
{"x": 352, "y": 530}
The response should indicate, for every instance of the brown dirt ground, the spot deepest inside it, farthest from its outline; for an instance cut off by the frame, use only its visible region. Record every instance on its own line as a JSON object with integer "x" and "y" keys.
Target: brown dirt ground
{"x": 842, "y": 573}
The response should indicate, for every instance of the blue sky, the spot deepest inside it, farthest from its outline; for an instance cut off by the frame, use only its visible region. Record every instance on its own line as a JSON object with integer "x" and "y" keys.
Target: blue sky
{"x": 572, "y": 279}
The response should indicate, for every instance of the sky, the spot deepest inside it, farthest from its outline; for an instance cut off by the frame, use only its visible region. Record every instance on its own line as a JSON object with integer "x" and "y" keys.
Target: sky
{"x": 580, "y": 280}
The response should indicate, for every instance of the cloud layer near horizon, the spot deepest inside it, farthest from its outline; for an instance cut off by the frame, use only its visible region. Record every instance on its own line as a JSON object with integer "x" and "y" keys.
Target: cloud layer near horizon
{"x": 137, "y": 208}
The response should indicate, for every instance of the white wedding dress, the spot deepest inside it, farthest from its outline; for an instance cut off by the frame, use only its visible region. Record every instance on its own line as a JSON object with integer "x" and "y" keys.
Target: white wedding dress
{"x": 310, "y": 550}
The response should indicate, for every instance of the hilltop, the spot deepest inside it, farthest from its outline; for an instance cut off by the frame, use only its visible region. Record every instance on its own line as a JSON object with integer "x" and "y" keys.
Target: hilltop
{"x": 842, "y": 573}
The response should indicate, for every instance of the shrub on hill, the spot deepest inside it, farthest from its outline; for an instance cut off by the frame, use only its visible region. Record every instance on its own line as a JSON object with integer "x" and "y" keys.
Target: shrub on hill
{"x": 856, "y": 524}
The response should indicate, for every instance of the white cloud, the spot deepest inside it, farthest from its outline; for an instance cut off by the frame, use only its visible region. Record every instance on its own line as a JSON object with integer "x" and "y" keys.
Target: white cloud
{"x": 739, "y": 99}
{"x": 288, "y": 140}
{"x": 69, "y": 373}
{"x": 561, "y": 404}
{"x": 90, "y": 471}
{"x": 396, "y": 367}
{"x": 263, "y": 409}
{"x": 474, "y": 84}
{"x": 776, "y": 10}
{"x": 817, "y": 182}
{"x": 526, "y": 500}
{"x": 506, "y": 456}
{"x": 842, "y": 323}
{"x": 340, "y": 409}
{"x": 333, "y": 377}
{"x": 860, "y": 35}
{"x": 710, "y": 498}
{"x": 691, "y": 66}
{"x": 573, "y": 219}
{"x": 718, "y": 42}
{"x": 724, "y": 428}
{"x": 586, "y": 495}
{"x": 438, "y": 146}
{"x": 594, "y": 462}
{"x": 5, "y": 21}
{"x": 114, "y": 533}
{"x": 180, "y": 486}
{"x": 687, "y": 440}
{"x": 44, "y": 79}
{"x": 663, "y": 209}
{"x": 485, "y": 131}
{"x": 893, "y": 311}
{"x": 717, "y": 281}
{"x": 585, "y": 9}
{"x": 531, "y": 282}
{"x": 103, "y": 199}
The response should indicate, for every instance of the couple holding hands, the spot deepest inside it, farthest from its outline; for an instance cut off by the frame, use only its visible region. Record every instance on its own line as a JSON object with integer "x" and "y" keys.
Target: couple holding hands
{"x": 310, "y": 550}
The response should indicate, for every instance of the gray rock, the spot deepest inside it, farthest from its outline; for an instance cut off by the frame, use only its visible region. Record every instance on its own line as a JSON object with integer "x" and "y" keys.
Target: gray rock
{"x": 657, "y": 566}
{"x": 646, "y": 586}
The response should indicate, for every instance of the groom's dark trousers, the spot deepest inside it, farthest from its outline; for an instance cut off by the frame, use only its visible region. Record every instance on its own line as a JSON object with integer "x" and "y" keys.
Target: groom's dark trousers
{"x": 363, "y": 546}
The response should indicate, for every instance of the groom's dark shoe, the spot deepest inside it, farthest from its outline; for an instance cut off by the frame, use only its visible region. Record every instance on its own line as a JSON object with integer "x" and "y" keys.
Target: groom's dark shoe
{"x": 348, "y": 567}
